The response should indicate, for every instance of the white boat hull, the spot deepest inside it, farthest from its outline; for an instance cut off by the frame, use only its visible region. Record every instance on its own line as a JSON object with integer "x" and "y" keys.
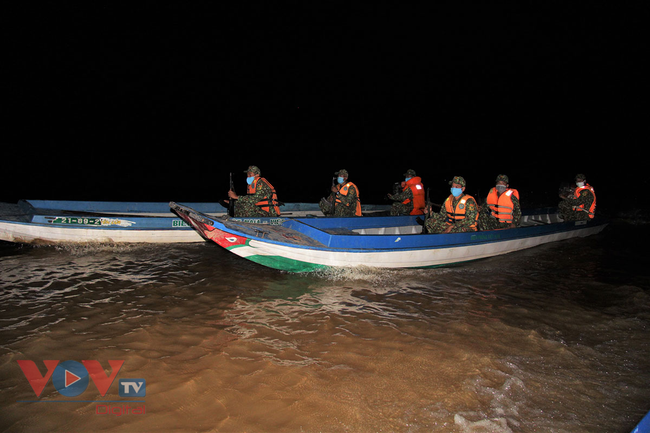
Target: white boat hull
{"x": 40, "y": 234}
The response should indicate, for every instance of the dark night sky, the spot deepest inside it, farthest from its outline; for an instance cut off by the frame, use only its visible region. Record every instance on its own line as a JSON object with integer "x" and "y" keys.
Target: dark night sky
{"x": 158, "y": 101}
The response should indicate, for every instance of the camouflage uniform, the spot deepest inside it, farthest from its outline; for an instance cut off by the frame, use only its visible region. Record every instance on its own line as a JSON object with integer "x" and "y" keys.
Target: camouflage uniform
{"x": 348, "y": 203}
{"x": 245, "y": 205}
{"x": 437, "y": 222}
{"x": 567, "y": 205}
{"x": 398, "y": 207}
{"x": 487, "y": 221}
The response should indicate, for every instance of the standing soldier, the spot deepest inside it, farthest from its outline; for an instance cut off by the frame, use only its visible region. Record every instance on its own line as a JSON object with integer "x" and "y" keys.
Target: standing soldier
{"x": 501, "y": 209}
{"x": 344, "y": 198}
{"x": 458, "y": 214}
{"x": 261, "y": 200}
{"x": 411, "y": 200}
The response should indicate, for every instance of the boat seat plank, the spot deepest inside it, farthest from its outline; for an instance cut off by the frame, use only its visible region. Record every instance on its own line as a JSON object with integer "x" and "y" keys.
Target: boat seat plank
{"x": 340, "y": 231}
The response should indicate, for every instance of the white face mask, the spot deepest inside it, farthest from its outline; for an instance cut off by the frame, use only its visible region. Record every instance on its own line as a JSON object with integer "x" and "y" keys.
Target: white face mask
{"x": 580, "y": 184}
{"x": 501, "y": 189}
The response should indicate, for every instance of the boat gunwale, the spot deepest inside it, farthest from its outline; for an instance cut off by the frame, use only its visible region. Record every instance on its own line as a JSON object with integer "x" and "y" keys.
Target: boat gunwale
{"x": 157, "y": 208}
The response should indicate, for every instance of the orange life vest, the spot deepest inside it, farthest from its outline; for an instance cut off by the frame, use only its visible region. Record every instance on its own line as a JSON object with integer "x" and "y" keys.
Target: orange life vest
{"x": 265, "y": 202}
{"x": 458, "y": 214}
{"x": 592, "y": 209}
{"x": 343, "y": 190}
{"x": 502, "y": 206}
{"x": 415, "y": 184}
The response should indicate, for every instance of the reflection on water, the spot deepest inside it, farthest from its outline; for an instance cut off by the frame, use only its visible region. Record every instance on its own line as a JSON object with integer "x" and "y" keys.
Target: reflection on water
{"x": 553, "y": 339}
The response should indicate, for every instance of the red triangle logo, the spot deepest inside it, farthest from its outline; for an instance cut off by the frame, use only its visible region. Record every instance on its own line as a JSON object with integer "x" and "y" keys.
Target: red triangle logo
{"x": 70, "y": 378}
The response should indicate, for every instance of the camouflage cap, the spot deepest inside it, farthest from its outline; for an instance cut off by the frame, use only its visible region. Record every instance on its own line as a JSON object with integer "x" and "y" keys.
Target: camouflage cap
{"x": 252, "y": 169}
{"x": 502, "y": 178}
{"x": 581, "y": 176}
{"x": 410, "y": 172}
{"x": 342, "y": 172}
{"x": 459, "y": 180}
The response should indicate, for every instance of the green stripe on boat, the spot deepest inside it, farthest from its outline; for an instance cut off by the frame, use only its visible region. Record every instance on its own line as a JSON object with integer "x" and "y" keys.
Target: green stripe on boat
{"x": 285, "y": 264}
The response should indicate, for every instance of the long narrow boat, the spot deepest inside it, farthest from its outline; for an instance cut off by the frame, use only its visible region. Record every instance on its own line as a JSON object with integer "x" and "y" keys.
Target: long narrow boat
{"x": 307, "y": 244}
{"x": 49, "y": 222}
{"x": 57, "y": 222}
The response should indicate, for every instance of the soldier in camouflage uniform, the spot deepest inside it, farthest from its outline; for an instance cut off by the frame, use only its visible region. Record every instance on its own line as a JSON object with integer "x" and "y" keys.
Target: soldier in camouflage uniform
{"x": 399, "y": 207}
{"x": 581, "y": 207}
{"x": 263, "y": 202}
{"x": 487, "y": 219}
{"x": 443, "y": 222}
{"x": 343, "y": 200}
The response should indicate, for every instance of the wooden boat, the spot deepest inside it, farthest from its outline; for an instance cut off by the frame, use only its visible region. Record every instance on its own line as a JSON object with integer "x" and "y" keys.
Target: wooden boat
{"x": 50, "y": 222}
{"x": 307, "y": 244}
{"x": 55, "y": 222}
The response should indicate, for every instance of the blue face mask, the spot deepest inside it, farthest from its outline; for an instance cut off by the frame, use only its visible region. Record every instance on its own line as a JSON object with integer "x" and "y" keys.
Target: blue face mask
{"x": 340, "y": 179}
{"x": 456, "y": 191}
{"x": 249, "y": 180}
{"x": 407, "y": 179}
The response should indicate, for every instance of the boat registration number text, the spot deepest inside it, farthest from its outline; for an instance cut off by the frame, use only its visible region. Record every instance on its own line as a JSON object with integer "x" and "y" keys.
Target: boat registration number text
{"x": 92, "y": 221}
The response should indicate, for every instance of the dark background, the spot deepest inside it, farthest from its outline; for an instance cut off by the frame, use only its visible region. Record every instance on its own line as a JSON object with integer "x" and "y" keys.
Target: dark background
{"x": 160, "y": 100}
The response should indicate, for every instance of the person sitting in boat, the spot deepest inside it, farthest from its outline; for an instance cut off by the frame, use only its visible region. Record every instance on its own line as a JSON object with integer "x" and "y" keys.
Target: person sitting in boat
{"x": 261, "y": 200}
{"x": 458, "y": 214}
{"x": 343, "y": 200}
{"x": 410, "y": 201}
{"x": 581, "y": 205}
{"x": 501, "y": 209}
